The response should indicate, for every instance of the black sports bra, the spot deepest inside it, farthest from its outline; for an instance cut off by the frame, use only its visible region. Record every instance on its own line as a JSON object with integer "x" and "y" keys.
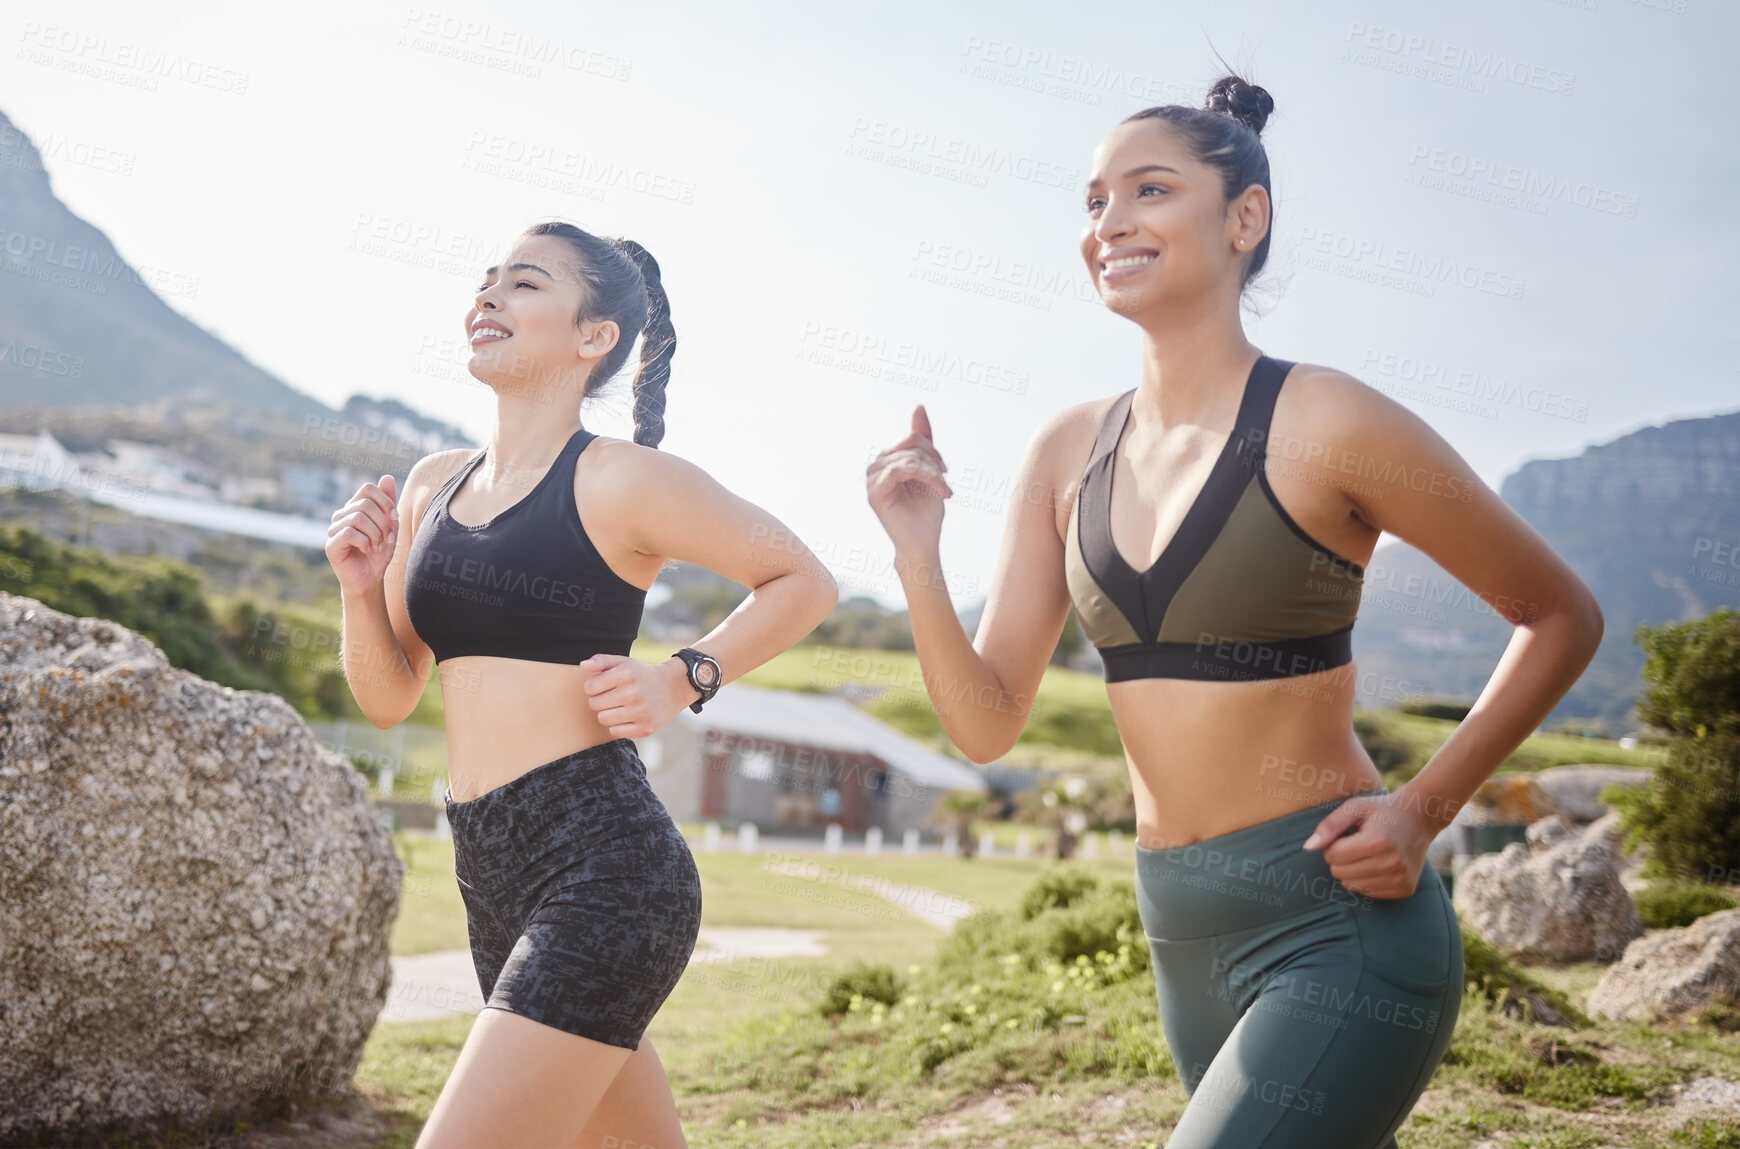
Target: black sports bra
{"x": 526, "y": 584}
{"x": 1240, "y": 592}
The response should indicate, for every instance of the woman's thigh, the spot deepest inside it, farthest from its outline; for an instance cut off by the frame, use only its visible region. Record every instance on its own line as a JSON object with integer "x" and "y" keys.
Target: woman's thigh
{"x": 1346, "y": 1016}
{"x": 521, "y": 1083}
{"x": 637, "y": 1111}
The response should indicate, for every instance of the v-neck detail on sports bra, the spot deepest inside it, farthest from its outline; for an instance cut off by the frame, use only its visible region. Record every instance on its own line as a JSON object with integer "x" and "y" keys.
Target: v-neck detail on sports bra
{"x": 514, "y": 506}
{"x": 1127, "y": 400}
{"x": 1240, "y": 590}
{"x": 1155, "y": 587}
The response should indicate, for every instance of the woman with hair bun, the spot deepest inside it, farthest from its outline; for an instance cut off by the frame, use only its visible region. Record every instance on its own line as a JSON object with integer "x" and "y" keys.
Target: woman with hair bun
{"x": 1210, "y": 527}
{"x": 522, "y": 574}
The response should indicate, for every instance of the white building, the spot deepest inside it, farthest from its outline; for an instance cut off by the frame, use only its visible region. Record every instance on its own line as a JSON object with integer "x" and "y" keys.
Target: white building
{"x": 795, "y": 762}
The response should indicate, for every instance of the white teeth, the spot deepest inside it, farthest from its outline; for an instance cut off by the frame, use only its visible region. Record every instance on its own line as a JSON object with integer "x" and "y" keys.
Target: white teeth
{"x": 1128, "y": 261}
{"x": 483, "y": 333}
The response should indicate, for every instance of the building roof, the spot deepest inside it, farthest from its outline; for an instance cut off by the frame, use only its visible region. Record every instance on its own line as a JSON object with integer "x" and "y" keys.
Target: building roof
{"x": 829, "y": 723}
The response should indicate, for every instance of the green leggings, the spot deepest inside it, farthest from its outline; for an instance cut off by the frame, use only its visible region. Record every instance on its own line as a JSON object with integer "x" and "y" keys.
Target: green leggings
{"x": 1299, "y": 1013}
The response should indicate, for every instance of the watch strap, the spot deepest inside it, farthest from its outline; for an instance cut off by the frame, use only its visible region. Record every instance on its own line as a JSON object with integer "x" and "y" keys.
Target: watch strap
{"x": 691, "y": 659}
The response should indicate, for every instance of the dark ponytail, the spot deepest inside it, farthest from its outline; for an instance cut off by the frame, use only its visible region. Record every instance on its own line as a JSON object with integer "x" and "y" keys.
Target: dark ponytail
{"x": 658, "y": 343}
{"x": 619, "y": 281}
{"x": 1224, "y": 134}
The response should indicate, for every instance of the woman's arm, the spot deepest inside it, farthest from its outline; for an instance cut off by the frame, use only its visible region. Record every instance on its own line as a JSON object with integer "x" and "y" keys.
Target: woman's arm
{"x": 664, "y": 505}
{"x": 1409, "y": 482}
{"x": 385, "y": 663}
{"x": 982, "y": 687}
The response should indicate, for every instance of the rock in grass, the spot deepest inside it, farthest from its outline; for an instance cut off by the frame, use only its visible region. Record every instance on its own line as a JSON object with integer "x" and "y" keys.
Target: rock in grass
{"x": 1557, "y": 903}
{"x": 1674, "y": 975}
{"x": 195, "y": 897}
{"x": 1576, "y": 790}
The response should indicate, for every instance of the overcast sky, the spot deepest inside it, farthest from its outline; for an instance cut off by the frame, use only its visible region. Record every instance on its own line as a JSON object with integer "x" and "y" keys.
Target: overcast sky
{"x": 1517, "y": 216}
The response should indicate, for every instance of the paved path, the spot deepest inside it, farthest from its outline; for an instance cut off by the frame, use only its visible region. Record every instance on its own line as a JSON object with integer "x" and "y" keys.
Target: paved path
{"x": 438, "y": 985}
{"x": 931, "y": 906}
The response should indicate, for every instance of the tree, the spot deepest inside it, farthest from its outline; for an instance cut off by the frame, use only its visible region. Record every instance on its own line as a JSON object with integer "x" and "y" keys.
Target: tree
{"x": 960, "y": 809}
{"x": 1690, "y": 816}
{"x": 1064, "y": 807}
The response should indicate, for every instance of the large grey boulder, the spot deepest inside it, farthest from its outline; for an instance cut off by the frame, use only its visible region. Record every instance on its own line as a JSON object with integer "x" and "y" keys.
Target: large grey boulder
{"x": 1576, "y": 790}
{"x": 1674, "y": 974}
{"x": 195, "y": 897}
{"x": 1554, "y": 902}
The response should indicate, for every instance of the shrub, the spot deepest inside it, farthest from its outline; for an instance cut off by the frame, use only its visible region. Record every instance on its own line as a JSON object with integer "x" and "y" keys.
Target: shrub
{"x": 1453, "y": 709}
{"x": 864, "y": 982}
{"x": 1690, "y": 816}
{"x": 1055, "y": 888}
{"x": 1669, "y": 904}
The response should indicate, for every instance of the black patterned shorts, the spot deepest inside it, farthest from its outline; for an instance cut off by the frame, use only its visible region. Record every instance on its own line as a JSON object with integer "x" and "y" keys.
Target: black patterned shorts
{"x": 581, "y": 896}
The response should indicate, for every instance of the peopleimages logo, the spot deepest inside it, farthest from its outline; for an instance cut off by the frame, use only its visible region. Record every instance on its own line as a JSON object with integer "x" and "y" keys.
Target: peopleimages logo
{"x": 1344, "y": 251}
{"x": 1530, "y": 185}
{"x": 966, "y": 155}
{"x": 1457, "y": 58}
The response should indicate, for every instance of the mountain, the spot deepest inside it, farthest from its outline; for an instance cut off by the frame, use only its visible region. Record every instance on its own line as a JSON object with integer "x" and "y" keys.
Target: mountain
{"x": 1650, "y": 521}
{"x": 92, "y": 354}
{"x": 84, "y": 327}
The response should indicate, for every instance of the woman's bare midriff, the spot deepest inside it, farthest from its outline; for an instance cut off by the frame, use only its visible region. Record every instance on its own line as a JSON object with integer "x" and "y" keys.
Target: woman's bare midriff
{"x": 1208, "y": 758}
{"x": 507, "y": 715}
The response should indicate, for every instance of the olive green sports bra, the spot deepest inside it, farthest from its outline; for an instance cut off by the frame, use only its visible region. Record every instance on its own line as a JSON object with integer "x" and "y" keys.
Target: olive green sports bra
{"x": 1240, "y": 592}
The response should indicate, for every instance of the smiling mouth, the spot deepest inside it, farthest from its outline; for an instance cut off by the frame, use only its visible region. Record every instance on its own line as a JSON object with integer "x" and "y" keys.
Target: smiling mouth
{"x": 489, "y": 335}
{"x": 1125, "y": 265}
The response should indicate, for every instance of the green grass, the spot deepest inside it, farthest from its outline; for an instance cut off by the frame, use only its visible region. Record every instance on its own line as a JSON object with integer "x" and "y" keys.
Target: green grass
{"x": 431, "y": 913}
{"x": 1538, "y": 751}
{"x": 755, "y": 1063}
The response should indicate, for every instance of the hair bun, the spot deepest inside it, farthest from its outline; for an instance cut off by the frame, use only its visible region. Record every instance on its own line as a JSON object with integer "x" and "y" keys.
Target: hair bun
{"x": 1246, "y": 103}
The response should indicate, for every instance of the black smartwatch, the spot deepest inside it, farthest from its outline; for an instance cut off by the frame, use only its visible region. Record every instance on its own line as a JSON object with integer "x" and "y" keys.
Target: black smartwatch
{"x": 704, "y": 674}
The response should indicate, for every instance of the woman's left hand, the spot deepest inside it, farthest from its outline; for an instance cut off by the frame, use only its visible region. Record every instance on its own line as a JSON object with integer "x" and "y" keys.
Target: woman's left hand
{"x": 631, "y": 698}
{"x": 1383, "y": 855}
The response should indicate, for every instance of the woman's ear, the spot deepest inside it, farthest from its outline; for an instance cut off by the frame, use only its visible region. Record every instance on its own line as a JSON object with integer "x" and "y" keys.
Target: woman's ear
{"x": 597, "y": 337}
{"x": 1248, "y": 218}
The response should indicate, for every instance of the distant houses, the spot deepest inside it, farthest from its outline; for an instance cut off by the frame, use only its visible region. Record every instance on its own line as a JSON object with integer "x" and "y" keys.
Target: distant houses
{"x": 794, "y": 763}
{"x": 126, "y": 466}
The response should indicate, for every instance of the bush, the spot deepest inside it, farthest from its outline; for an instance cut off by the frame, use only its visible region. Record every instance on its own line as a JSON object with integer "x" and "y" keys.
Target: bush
{"x": 1453, "y": 709}
{"x": 1670, "y": 904}
{"x": 1055, "y": 888}
{"x": 1690, "y": 816}
{"x": 864, "y": 982}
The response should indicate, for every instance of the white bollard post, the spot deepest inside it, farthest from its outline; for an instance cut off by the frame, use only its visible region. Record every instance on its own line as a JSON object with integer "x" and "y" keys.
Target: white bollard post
{"x": 951, "y": 844}
{"x": 1115, "y": 843}
{"x": 909, "y": 843}
{"x": 831, "y": 839}
{"x": 1023, "y": 844}
{"x": 873, "y": 841}
{"x": 442, "y": 829}
{"x": 1090, "y": 847}
{"x": 987, "y": 844}
{"x": 710, "y": 838}
{"x": 747, "y": 835}
{"x": 386, "y": 780}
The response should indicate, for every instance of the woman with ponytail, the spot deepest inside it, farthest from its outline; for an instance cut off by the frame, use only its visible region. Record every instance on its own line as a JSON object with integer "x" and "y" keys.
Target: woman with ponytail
{"x": 1211, "y": 528}
{"x": 521, "y": 573}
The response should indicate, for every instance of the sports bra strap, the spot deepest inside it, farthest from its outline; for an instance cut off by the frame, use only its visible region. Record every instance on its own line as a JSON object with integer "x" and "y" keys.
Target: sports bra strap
{"x": 1250, "y": 426}
{"x": 1257, "y": 409}
{"x": 1112, "y": 426}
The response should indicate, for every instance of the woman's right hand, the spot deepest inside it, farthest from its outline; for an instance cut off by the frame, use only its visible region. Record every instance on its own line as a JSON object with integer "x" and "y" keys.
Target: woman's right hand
{"x": 364, "y": 531}
{"x": 907, "y": 489}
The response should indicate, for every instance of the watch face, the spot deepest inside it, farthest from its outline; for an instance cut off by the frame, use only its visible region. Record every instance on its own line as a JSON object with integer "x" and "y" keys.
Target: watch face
{"x": 706, "y": 673}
